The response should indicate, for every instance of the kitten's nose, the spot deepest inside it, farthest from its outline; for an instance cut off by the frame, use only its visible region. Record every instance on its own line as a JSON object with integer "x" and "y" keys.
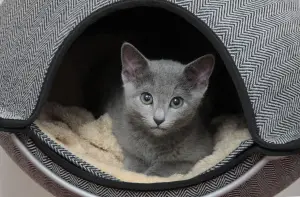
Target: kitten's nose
{"x": 158, "y": 121}
{"x": 159, "y": 116}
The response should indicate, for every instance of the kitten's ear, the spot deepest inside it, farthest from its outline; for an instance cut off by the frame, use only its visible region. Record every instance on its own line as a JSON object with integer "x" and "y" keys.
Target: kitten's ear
{"x": 134, "y": 63}
{"x": 198, "y": 71}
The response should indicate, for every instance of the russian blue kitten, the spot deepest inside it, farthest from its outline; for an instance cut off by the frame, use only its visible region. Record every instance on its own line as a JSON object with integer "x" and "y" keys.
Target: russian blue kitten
{"x": 156, "y": 113}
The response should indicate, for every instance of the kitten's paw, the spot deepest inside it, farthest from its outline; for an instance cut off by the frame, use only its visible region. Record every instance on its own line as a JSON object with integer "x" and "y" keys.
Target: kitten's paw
{"x": 152, "y": 173}
{"x": 166, "y": 169}
{"x": 156, "y": 172}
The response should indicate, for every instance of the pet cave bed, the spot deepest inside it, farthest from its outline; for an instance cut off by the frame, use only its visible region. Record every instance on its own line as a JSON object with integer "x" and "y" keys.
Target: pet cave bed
{"x": 257, "y": 41}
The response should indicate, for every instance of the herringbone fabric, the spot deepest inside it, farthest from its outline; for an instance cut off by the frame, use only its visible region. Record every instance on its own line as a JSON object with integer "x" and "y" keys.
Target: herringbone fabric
{"x": 262, "y": 37}
{"x": 273, "y": 178}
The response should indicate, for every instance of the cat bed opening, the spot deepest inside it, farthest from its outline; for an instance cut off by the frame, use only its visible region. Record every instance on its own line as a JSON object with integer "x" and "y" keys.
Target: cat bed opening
{"x": 75, "y": 116}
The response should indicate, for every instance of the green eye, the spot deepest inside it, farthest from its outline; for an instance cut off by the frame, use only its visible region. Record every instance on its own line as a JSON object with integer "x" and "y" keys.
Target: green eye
{"x": 176, "y": 102}
{"x": 146, "y": 98}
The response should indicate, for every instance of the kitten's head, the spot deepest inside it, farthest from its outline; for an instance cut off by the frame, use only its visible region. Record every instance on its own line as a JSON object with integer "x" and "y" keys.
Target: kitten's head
{"x": 162, "y": 96}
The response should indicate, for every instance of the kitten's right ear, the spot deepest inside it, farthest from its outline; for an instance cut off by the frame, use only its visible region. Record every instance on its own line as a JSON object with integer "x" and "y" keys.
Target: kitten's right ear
{"x": 134, "y": 63}
{"x": 199, "y": 71}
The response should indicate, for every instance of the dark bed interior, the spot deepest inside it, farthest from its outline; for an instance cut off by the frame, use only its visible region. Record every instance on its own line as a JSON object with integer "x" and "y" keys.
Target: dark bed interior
{"x": 91, "y": 68}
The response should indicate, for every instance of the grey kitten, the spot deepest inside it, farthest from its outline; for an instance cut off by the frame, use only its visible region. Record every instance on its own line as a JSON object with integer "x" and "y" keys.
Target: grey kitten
{"x": 155, "y": 113}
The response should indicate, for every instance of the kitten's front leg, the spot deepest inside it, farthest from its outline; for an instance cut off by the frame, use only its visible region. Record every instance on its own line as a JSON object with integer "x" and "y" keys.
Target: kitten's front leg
{"x": 134, "y": 164}
{"x": 166, "y": 169}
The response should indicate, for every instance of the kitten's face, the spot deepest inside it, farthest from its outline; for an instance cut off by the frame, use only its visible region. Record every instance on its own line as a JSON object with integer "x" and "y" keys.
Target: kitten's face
{"x": 162, "y": 96}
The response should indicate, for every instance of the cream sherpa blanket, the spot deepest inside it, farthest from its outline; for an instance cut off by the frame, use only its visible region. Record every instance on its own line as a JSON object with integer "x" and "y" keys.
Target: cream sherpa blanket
{"x": 76, "y": 130}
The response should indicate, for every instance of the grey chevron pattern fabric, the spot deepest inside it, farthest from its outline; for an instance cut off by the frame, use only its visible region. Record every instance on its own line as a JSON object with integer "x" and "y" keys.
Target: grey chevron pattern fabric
{"x": 272, "y": 179}
{"x": 262, "y": 38}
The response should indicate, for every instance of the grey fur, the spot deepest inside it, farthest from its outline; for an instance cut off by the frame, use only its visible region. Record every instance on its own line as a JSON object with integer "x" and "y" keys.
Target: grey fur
{"x": 180, "y": 140}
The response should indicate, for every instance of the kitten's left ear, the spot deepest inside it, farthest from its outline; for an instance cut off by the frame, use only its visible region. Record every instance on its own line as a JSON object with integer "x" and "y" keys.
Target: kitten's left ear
{"x": 198, "y": 71}
{"x": 134, "y": 63}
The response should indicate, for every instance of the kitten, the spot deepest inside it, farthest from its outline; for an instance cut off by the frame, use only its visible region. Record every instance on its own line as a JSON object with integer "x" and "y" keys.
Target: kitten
{"x": 155, "y": 113}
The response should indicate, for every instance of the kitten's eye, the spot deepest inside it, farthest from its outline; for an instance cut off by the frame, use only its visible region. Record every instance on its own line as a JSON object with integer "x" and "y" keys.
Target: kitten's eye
{"x": 176, "y": 102}
{"x": 146, "y": 98}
